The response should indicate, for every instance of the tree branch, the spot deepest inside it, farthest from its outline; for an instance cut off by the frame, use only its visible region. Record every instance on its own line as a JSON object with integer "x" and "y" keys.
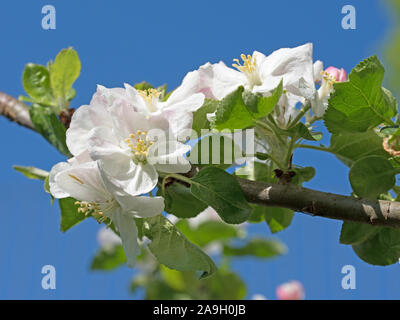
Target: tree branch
{"x": 299, "y": 199}
{"x": 15, "y": 110}
{"x": 323, "y": 204}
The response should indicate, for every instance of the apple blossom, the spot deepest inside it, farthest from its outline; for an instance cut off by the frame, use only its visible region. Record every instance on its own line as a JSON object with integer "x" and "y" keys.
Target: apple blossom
{"x": 130, "y": 146}
{"x": 259, "y": 73}
{"x": 177, "y": 109}
{"x": 97, "y": 197}
{"x": 328, "y": 77}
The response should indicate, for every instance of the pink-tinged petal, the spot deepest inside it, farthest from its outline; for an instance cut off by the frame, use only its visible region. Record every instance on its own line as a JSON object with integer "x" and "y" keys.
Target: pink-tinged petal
{"x": 206, "y": 78}
{"x": 292, "y": 290}
{"x": 83, "y": 121}
{"x": 339, "y": 75}
{"x": 190, "y": 86}
{"x": 109, "y": 95}
{"x": 343, "y": 75}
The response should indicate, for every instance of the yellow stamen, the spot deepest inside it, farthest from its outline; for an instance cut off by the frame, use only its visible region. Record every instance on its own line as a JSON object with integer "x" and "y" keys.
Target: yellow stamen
{"x": 139, "y": 144}
{"x": 76, "y": 178}
{"x": 249, "y": 64}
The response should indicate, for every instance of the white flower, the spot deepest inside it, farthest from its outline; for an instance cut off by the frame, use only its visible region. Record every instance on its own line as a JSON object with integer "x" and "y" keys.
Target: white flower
{"x": 124, "y": 141}
{"x": 177, "y": 109}
{"x": 328, "y": 78}
{"x": 261, "y": 74}
{"x": 98, "y": 197}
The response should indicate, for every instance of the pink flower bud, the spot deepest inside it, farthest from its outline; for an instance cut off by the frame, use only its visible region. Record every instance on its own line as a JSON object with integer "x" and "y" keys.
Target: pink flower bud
{"x": 340, "y": 75}
{"x": 292, "y": 290}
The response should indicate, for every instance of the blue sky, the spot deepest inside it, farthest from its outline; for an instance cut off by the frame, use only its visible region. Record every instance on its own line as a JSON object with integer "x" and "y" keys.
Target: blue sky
{"x": 130, "y": 41}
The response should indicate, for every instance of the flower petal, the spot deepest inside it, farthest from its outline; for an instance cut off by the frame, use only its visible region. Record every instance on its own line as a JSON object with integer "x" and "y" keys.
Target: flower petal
{"x": 83, "y": 121}
{"x": 168, "y": 156}
{"x": 141, "y": 206}
{"x": 55, "y": 190}
{"x": 289, "y": 64}
{"x": 83, "y": 182}
{"x": 128, "y": 231}
{"x": 225, "y": 80}
{"x": 139, "y": 179}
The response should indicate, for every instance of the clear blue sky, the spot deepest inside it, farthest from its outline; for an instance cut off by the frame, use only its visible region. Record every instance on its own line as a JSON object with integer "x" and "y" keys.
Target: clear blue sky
{"x": 159, "y": 41}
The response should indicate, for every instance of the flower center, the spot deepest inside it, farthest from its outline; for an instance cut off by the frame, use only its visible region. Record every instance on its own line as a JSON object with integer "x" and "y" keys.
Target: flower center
{"x": 95, "y": 209}
{"x": 139, "y": 144}
{"x": 249, "y": 69}
{"x": 151, "y": 98}
{"x": 328, "y": 77}
{"x": 327, "y": 84}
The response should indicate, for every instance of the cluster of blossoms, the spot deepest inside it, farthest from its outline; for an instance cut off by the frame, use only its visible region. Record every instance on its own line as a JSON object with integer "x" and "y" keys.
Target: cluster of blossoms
{"x": 125, "y": 137}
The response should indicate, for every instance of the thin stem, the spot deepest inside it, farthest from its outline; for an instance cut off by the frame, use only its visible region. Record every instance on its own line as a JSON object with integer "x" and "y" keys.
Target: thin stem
{"x": 307, "y": 146}
{"x": 289, "y": 153}
{"x": 300, "y": 115}
{"x": 280, "y": 166}
{"x": 179, "y": 177}
{"x": 270, "y": 127}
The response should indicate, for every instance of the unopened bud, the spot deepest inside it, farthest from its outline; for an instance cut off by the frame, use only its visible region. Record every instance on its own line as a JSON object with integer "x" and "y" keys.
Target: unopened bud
{"x": 292, "y": 290}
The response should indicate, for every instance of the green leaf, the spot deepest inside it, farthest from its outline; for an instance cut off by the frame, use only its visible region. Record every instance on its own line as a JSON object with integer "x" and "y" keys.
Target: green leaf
{"x": 301, "y": 131}
{"x": 360, "y": 103}
{"x": 143, "y": 86}
{"x": 200, "y": 120}
{"x": 232, "y": 113}
{"x": 180, "y": 202}
{"x": 277, "y": 218}
{"x": 303, "y": 174}
{"x": 108, "y": 259}
{"x": 69, "y": 214}
{"x": 225, "y": 285}
{"x": 354, "y": 233}
{"x": 208, "y": 231}
{"x": 32, "y": 172}
{"x": 172, "y": 249}
{"x": 261, "y": 106}
{"x": 371, "y": 176}
{"x": 351, "y": 147}
{"x": 382, "y": 249}
{"x": 36, "y": 82}
{"x": 258, "y": 171}
{"x": 257, "y": 247}
{"x": 257, "y": 215}
{"x": 215, "y": 150}
{"x": 221, "y": 191}
{"x": 47, "y": 124}
{"x": 240, "y": 109}
{"x": 63, "y": 73}
{"x": 390, "y": 130}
